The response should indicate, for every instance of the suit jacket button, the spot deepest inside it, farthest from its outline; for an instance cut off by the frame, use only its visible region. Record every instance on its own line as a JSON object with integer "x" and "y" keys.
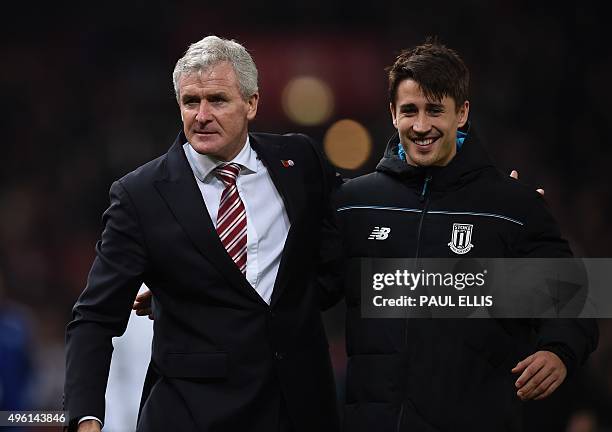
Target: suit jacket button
{"x": 278, "y": 355}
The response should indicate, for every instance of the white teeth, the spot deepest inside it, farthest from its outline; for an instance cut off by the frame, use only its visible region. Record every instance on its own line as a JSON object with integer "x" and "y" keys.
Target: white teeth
{"x": 425, "y": 141}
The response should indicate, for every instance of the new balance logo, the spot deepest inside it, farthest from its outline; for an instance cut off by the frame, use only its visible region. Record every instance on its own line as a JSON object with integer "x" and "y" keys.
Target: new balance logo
{"x": 379, "y": 233}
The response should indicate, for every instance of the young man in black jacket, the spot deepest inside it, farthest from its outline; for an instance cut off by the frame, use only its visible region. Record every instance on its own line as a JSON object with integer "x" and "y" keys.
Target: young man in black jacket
{"x": 446, "y": 374}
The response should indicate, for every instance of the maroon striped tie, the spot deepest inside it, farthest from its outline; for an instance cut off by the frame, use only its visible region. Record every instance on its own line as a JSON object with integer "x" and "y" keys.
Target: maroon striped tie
{"x": 231, "y": 218}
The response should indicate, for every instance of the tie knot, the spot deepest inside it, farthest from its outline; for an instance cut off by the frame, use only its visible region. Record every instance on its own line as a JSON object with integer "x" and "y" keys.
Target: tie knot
{"x": 228, "y": 173}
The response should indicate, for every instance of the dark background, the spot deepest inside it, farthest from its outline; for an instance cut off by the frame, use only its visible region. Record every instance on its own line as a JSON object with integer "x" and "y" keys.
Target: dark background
{"x": 87, "y": 96}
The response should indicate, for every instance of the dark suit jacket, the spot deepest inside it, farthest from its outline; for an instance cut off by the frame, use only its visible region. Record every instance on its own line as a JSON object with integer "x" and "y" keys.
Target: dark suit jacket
{"x": 221, "y": 356}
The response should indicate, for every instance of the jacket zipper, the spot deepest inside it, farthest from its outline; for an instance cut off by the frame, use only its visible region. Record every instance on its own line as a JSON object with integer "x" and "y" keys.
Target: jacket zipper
{"x": 425, "y": 185}
{"x": 422, "y": 198}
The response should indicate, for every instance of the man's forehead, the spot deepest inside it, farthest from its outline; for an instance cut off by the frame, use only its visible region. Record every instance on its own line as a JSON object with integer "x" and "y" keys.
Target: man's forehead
{"x": 220, "y": 73}
{"x": 411, "y": 89}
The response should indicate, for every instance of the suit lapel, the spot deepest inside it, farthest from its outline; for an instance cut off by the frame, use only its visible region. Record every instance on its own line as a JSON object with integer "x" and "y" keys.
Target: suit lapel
{"x": 287, "y": 180}
{"x": 181, "y": 193}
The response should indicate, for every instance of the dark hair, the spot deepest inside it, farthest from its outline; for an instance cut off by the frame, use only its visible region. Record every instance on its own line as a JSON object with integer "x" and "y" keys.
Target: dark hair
{"x": 438, "y": 70}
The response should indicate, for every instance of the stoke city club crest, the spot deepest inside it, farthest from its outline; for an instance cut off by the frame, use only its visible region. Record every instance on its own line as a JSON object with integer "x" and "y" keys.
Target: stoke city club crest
{"x": 461, "y": 238}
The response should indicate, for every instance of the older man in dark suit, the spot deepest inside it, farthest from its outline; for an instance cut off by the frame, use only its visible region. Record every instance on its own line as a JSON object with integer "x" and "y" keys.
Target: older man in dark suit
{"x": 225, "y": 231}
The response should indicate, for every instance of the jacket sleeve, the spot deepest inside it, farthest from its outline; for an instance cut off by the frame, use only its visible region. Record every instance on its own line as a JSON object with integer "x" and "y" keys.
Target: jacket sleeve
{"x": 103, "y": 309}
{"x": 330, "y": 260}
{"x": 572, "y": 339}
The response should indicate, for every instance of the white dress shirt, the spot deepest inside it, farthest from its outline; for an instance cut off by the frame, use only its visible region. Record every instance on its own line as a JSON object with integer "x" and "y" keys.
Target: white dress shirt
{"x": 267, "y": 220}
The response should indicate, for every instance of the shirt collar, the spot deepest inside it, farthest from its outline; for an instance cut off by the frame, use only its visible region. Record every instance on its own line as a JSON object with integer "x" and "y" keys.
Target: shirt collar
{"x": 203, "y": 165}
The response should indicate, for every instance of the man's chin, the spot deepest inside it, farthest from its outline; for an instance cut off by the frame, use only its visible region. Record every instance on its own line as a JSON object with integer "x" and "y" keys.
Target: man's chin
{"x": 205, "y": 144}
{"x": 423, "y": 159}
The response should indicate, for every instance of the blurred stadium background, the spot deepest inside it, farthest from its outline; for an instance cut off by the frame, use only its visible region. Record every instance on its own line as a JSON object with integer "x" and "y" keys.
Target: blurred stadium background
{"x": 87, "y": 97}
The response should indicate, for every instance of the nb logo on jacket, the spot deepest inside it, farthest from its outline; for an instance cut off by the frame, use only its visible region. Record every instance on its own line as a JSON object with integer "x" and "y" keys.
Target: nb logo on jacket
{"x": 379, "y": 233}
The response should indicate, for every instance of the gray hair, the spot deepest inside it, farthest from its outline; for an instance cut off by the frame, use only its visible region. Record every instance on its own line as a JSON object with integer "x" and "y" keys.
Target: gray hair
{"x": 212, "y": 50}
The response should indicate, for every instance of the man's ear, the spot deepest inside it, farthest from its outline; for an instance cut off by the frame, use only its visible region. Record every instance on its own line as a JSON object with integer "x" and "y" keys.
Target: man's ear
{"x": 252, "y": 102}
{"x": 464, "y": 110}
{"x": 178, "y": 101}
{"x": 392, "y": 110}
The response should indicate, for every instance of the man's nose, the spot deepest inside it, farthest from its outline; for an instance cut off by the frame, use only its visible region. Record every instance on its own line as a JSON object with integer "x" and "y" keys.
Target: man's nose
{"x": 422, "y": 124}
{"x": 204, "y": 113}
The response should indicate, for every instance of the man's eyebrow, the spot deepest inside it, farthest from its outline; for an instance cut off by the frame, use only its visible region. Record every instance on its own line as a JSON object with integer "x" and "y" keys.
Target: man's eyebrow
{"x": 435, "y": 105}
{"x": 188, "y": 96}
{"x": 407, "y": 106}
{"x": 217, "y": 94}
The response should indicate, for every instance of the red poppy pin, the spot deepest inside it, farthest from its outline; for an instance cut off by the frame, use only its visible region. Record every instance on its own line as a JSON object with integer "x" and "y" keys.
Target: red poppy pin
{"x": 287, "y": 163}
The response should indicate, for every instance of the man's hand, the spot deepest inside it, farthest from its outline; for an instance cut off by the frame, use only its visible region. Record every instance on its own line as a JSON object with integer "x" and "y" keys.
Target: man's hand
{"x": 142, "y": 304}
{"x": 542, "y": 373}
{"x": 514, "y": 175}
{"x": 89, "y": 426}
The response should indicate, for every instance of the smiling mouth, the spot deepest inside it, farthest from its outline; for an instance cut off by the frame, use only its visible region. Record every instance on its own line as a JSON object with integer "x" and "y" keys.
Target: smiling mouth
{"x": 424, "y": 142}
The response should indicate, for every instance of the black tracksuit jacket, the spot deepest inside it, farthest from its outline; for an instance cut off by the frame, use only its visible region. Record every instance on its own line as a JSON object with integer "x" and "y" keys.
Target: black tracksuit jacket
{"x": 445, "y": 374}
